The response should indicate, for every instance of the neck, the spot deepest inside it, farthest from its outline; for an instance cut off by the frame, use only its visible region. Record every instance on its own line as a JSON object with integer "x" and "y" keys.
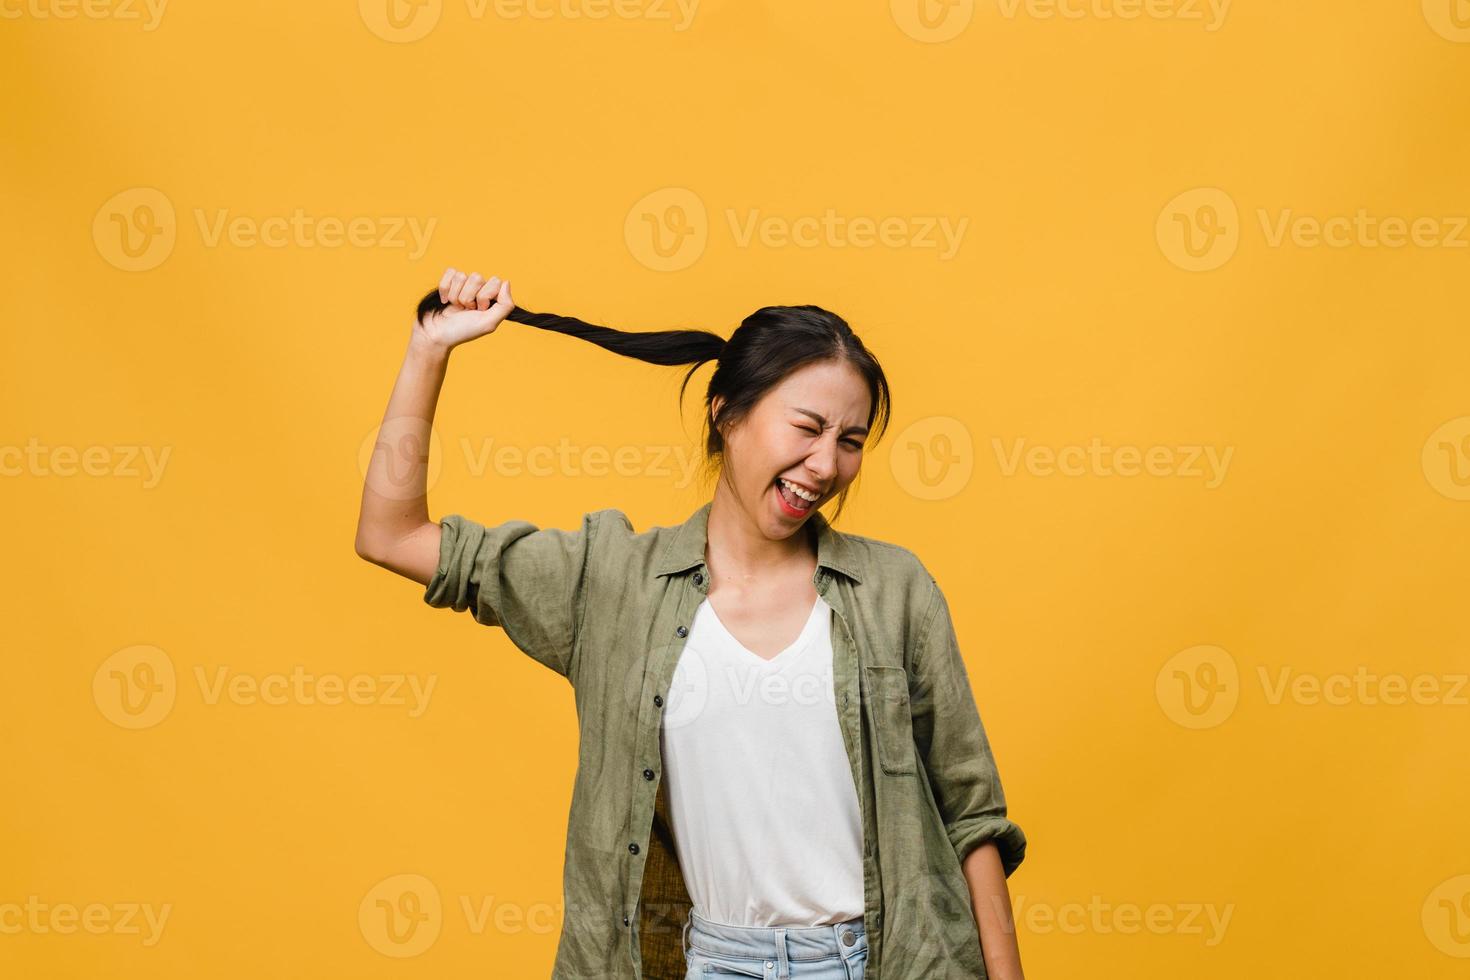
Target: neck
{"x": 736, "y": 548}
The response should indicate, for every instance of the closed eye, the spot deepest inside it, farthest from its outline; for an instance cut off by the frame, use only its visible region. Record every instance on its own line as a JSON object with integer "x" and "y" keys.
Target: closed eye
{"x": 816, "y": 432}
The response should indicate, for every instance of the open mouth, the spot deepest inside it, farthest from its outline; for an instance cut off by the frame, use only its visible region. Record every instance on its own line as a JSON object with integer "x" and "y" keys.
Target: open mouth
{"x": 791, "y": 500}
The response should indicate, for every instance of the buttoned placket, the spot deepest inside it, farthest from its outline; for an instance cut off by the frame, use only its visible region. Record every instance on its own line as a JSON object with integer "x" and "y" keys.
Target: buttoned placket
{"x": 658, "y": 676}
{"x": 846, "y": 671}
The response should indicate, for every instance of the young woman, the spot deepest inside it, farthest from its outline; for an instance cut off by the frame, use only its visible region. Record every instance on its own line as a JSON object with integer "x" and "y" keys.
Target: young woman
{"x": 782, "y": 771}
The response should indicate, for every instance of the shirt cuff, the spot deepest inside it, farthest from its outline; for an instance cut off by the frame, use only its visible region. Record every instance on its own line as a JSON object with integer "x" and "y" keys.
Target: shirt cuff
{"x": 1009, "y": 840}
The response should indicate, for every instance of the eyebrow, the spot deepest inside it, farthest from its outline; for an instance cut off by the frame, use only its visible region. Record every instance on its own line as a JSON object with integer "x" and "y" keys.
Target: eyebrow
{"x": 859, "y": 429}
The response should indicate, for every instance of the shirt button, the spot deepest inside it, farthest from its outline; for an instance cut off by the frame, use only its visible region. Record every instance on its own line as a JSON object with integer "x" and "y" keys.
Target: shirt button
{"x": 633, "y": 847}
{"x": 625, "y": 920}
{"x": 648, "y": 774}
{"x": 698, "y": 578}
{"x": 682, "y": 631}
{"x": 658, "y": 699}
{"x": 848, "y": 938}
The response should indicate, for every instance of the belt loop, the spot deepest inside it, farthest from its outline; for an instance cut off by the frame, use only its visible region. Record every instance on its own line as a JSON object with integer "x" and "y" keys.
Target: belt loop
{"x": 684, "y": 941}
{"x": 783, "y": 962}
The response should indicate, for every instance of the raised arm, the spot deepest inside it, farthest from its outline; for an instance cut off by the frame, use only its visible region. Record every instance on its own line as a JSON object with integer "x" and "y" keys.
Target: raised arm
{"x": 393, "y": 525}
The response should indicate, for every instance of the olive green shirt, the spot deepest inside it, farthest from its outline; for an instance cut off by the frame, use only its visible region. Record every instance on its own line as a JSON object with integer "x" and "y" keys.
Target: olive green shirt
{"x": 609, "y": 609}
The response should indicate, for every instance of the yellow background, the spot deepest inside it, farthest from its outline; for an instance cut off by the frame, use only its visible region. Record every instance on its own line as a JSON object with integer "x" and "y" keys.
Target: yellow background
{"x": 1332, "y": 834}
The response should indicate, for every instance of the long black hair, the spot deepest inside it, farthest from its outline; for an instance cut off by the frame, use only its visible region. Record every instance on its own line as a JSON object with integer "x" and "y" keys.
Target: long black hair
{"x": 768, "y": 345}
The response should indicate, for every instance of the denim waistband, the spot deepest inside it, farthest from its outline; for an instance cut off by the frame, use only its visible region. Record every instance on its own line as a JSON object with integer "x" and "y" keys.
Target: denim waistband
{"x": 780, "y": 943}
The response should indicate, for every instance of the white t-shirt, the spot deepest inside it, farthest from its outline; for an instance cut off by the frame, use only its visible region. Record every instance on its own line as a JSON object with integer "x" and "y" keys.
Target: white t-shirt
{"x": 762, "y": 804}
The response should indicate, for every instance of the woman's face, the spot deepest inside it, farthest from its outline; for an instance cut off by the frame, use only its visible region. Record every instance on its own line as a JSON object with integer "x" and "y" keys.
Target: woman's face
{"x": 810, "y": 430}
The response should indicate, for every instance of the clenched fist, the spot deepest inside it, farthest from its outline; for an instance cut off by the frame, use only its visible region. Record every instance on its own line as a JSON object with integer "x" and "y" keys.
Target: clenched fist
{"x": 475, "y": 306}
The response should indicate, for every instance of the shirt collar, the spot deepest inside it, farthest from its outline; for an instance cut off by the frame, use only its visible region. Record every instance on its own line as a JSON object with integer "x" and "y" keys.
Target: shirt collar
{"x": 686, "y": 548}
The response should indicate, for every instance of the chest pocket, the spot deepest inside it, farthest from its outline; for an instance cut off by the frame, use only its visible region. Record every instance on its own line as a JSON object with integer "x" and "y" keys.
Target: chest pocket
{"x": 888, "y": 694}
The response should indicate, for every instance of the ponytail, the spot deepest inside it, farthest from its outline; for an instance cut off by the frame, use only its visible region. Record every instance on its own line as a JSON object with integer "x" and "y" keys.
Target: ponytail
{"x": 665, "y": 347}
{"x": 768, "y": 346}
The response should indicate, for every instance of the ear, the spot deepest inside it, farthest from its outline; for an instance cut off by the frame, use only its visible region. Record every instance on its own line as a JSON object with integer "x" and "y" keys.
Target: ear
{"x": 714, "y": 408}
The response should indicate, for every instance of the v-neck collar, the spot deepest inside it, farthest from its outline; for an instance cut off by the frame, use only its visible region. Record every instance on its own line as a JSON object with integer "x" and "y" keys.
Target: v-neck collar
{"x": 803, "y": 639}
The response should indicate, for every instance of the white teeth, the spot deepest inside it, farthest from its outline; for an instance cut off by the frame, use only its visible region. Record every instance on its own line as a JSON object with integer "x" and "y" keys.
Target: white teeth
{"x": 803, "y": 494}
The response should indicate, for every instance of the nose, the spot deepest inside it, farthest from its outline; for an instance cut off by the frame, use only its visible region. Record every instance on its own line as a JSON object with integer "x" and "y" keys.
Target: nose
{"x": 821, "y": 462}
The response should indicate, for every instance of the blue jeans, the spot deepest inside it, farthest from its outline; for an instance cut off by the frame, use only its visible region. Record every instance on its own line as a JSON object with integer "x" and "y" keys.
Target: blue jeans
{"x": 831, "y": 952}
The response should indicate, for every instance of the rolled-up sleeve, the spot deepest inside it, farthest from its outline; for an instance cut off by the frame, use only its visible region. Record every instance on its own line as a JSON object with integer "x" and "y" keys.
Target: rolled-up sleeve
{"x": 530, "y": 581}
{"x": 951, "y": 740}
